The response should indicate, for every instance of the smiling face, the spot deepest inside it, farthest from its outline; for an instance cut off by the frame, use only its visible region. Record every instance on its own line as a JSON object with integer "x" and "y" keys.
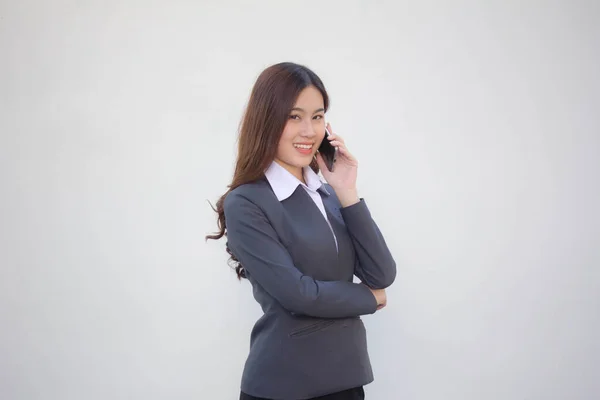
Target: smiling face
{"x": 303, "y": 132}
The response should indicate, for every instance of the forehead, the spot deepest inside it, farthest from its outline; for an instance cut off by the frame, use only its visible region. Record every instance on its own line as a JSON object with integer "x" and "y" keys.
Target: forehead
{"x": 310, "y": 98}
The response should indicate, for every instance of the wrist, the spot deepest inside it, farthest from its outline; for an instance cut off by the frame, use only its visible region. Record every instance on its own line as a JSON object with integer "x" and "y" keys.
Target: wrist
{"x": 377, "y": 295}
{"x": 347, "y": 197}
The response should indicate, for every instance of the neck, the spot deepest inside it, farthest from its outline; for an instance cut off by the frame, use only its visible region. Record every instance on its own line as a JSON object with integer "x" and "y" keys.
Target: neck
{"x": 296, "y": 171}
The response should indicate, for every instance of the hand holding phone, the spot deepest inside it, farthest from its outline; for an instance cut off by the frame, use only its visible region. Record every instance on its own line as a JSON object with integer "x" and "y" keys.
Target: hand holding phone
{"x": 334, "y": 153}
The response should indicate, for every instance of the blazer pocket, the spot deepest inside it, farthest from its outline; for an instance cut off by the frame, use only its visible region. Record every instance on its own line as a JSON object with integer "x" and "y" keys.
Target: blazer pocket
{"x": 312, "y": 328}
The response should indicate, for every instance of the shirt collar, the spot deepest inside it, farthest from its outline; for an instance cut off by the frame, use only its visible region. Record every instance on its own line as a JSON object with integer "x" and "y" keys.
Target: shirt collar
{"x": 284, "y": 183}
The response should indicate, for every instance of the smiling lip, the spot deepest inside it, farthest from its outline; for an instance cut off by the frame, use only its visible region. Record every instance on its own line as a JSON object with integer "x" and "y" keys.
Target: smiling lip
{"x": 306, "y": 149}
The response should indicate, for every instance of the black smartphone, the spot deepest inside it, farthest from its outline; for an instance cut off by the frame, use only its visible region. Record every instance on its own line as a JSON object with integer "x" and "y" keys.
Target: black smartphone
{"x": 328, "y": 152}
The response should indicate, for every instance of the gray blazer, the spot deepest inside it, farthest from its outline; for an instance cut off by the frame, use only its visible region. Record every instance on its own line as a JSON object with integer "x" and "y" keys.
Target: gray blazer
{"x": 310, "y": 340}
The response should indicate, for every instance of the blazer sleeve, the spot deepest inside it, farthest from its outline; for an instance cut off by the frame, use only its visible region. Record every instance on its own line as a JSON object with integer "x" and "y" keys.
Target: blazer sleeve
{"x": 256, "y": 245}
{"x": 375, "y": 266}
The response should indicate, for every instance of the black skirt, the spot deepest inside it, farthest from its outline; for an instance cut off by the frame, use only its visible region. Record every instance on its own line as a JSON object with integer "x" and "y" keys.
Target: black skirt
{"x": 350, "y": 394}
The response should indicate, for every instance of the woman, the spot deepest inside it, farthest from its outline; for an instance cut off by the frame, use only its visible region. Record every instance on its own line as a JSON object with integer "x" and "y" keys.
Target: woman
{"x": 299, "y": 242}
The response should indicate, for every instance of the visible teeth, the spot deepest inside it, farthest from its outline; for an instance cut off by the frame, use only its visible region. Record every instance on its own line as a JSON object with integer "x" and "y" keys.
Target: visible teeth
{"x": 303, "y": 146}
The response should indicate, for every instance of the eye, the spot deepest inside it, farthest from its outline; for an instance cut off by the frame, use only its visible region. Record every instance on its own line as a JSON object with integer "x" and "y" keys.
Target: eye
{"x": 293, "y": 116}
{"x": 318, "y": 117}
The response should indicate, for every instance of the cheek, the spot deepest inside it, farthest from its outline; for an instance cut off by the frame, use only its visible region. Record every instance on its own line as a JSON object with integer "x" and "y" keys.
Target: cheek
{"x": 281, "y": 149}
{"x": 286, "y": 136}
{"x": 284, "y": 144}
{"x": 320, "y": 136}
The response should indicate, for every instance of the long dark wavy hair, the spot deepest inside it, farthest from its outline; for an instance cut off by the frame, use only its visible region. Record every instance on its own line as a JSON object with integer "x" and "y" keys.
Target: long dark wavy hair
{"x": 271, "y": 100}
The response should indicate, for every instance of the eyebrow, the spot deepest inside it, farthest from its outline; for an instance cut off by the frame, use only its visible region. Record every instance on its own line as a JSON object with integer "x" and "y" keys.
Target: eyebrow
{"x": 302, "y": 110}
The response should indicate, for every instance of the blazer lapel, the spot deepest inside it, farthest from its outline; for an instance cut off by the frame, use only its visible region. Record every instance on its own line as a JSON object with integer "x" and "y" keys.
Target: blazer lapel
{"x": 345, "y": 246}
{"x": 301, "y": 205}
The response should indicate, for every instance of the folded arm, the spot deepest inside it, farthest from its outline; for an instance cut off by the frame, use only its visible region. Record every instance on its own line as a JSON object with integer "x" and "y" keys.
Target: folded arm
{"x": 375, "y": 266}
{"x": 256, "y": 245}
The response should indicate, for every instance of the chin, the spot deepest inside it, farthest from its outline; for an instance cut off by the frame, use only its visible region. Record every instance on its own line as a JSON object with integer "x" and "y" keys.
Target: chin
{"x": 304, "y": 163}
{"x": 296, "y": 161}
{"x": 299, "y": 162}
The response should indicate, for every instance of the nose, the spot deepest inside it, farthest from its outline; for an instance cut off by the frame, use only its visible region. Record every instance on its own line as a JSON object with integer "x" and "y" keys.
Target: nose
{"x": 308, "y": 128}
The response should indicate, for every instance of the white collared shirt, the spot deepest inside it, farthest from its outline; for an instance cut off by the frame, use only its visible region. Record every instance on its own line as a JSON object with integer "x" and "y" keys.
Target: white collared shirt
{"x": 284, "y": 184}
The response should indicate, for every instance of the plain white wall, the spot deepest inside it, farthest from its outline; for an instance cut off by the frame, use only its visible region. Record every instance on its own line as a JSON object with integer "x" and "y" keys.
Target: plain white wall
{"x": 476, "y": 126}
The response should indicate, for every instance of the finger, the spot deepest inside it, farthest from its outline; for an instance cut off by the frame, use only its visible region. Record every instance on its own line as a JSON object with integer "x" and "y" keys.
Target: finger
{"x": 344, "y": 152}
{"x": 341, "y": 147}
{"x": 338, "y": 138}
{"x": 333, "y": 136}
{"x": 337, "y": 143}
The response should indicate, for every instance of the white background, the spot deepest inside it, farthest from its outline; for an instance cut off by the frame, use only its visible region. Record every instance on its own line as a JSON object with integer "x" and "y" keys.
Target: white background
{"x": 477, "y": 129}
